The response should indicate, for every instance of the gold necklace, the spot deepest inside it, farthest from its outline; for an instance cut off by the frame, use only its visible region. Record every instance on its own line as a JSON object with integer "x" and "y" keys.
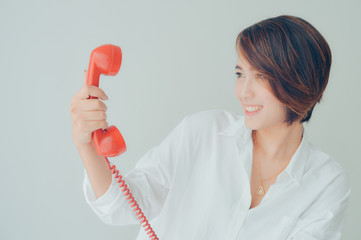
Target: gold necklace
{"x": 260, "y": 190}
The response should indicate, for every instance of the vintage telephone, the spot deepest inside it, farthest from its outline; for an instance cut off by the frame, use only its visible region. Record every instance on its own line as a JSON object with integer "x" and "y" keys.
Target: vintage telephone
{"x": 106, "y": 59}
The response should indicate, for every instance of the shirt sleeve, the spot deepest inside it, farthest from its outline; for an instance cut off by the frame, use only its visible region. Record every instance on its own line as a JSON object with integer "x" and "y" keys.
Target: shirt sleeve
{"x": 149, "y": 183}
{"x": 324, "y": 220}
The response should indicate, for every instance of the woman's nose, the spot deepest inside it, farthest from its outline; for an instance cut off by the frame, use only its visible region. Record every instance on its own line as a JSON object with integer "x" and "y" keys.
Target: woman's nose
{"x": 246, "y": 90}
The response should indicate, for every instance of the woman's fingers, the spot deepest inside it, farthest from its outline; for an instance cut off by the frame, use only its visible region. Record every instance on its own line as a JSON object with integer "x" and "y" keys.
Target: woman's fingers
{"x": 89, "y": 90}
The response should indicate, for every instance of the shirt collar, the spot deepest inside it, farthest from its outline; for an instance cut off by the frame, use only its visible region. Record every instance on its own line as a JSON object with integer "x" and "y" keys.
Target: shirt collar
{"x": 295, "y": 169}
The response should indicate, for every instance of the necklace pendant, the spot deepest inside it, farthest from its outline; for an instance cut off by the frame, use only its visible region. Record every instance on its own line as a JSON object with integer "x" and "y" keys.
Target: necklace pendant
{"x": 260, "y": 190}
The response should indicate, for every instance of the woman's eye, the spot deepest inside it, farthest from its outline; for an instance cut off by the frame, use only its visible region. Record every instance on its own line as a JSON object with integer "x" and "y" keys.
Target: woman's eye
{"x": 238, "y": 74}
{"x": 258, "y": 76}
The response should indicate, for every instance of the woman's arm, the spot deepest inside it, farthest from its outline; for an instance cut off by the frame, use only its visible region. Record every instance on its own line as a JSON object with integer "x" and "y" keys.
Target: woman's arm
{"x": 96, "y": 167}
{"x": 149, "y": 183}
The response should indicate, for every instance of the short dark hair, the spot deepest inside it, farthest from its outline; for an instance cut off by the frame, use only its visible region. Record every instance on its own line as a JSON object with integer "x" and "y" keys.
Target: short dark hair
{"x": 295, "y": 59}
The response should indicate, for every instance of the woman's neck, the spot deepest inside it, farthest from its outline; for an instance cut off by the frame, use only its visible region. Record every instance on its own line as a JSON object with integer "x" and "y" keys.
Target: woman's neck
{"x": 278, "y": 143}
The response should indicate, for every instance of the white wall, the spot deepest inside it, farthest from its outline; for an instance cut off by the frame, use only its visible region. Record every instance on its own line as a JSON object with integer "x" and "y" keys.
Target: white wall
{"x": 178, "y": 59}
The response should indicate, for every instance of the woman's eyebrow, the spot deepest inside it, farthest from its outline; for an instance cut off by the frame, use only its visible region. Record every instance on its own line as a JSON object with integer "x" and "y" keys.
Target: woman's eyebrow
{"x": 238, "y": 67}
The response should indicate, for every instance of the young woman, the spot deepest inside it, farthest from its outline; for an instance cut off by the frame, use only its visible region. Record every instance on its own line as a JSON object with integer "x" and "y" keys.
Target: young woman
{"x": 223, "y": 175}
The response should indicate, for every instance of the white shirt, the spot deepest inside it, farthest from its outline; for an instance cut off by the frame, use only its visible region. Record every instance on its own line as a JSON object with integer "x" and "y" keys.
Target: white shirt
{"x": 196, "y": 185}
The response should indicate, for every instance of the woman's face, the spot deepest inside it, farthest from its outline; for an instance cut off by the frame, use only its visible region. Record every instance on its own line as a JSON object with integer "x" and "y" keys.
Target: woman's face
{"x": 260, "y": 107}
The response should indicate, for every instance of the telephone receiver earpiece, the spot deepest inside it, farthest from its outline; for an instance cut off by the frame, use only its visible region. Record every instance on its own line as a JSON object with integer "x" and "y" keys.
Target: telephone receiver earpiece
{"x": 106, "y": 60}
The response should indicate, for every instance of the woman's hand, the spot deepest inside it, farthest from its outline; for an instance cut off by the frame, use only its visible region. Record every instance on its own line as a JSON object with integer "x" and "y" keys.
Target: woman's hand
{"x": 87, "y": 115}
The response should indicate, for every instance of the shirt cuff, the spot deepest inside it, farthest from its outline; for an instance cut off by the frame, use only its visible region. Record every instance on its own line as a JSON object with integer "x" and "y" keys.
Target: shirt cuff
{"x": 106, "y": 203}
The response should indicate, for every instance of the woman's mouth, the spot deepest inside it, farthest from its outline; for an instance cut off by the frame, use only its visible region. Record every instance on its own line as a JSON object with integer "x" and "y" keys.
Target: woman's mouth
{"x": 251, "y": 110}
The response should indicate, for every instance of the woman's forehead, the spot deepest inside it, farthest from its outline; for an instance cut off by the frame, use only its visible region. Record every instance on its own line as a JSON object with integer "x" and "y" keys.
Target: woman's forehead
{"x": 243, "y": 64}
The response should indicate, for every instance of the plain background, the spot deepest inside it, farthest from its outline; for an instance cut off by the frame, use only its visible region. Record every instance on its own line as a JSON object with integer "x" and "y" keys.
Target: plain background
{"x": 178, "y": 59}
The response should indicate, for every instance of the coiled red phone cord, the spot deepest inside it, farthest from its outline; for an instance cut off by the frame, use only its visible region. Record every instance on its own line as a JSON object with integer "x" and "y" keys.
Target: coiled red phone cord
{"x": 127, "y": 192}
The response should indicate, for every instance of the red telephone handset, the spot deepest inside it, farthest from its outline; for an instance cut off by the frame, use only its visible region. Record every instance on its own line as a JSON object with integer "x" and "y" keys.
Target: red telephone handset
{"x": 106, "y": 60}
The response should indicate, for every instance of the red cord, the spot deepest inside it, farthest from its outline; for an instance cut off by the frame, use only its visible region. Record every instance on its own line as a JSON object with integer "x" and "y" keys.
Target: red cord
{"x": 125, "y": 189}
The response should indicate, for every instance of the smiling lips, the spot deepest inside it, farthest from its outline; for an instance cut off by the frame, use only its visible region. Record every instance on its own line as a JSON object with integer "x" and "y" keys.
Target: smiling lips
{"x": 253, "y": 108}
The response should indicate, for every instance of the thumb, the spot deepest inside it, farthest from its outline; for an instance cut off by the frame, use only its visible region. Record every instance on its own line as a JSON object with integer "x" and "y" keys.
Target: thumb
{"x": 85, "y": 77}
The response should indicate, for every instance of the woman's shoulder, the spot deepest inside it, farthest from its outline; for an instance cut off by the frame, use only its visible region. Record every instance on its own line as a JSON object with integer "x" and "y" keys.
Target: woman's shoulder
{"x": 320, "y": 160}
{"x": 325, "y": 169}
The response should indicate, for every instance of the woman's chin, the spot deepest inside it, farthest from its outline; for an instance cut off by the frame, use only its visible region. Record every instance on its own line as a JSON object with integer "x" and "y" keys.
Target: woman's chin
{"x": 252, "y": 125}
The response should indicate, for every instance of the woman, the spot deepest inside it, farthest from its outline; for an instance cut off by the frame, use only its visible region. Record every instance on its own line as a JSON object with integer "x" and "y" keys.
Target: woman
{"x": 222, "y": 175}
